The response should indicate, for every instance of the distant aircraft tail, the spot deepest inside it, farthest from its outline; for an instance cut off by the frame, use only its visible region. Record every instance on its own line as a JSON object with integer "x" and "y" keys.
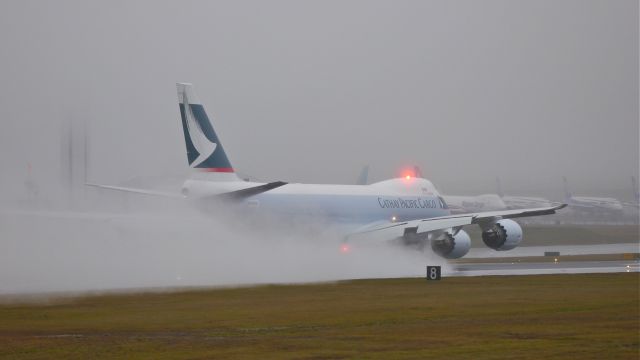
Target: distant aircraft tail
{"x": 363, "y": 179}
{"x": 417, "y": 172}
{"x": 499, "y": 187}
{"x": 567, "y": 193}
{"x": 204, "y": 149}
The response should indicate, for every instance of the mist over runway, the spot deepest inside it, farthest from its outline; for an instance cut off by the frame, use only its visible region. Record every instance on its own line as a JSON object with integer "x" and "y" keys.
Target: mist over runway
{"x": 40, "y": 254}
{"x": 188, "y": 248}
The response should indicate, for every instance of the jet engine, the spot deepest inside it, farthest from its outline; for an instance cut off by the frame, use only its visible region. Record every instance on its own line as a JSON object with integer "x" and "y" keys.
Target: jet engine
{"x": 452, "y": 246}
{"x": 502, "y": 235}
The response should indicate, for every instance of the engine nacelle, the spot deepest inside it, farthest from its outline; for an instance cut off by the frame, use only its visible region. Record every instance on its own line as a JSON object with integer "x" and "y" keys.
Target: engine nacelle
{"x": 452, "y": 246}
{"x": 502, "y": 235}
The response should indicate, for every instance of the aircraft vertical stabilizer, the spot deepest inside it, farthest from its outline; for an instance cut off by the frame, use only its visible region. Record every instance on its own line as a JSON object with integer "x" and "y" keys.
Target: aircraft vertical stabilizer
{"x": 363, "y": 179}
{"x": 204, "y": 149}
{"x": 499, "y": 187}
{"x": 417, "y": 172}
{"x": 567, "y": 193}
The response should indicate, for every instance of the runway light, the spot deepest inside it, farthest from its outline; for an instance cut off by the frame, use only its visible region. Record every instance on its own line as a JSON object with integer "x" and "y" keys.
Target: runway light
{"x": 345, "y": 248}
{"x": 393, "y": 219}
{"x": 555, "y": 260}
{"x": 408, "y": 177}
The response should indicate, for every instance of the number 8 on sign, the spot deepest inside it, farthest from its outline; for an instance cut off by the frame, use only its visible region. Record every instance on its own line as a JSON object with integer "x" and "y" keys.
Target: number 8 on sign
{"x": 433, "y": 272}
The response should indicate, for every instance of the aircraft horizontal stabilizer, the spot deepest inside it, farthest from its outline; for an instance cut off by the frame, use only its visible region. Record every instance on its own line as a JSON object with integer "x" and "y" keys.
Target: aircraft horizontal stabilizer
{"x": 245, "y": 193}
{"x": 228, "y": 196}
{"x": 137, "y": 191}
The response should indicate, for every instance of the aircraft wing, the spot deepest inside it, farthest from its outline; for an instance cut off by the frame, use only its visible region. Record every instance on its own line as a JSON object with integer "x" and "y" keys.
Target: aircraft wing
{"x": 583, "y": 206}
{"x": 511, "y": 214}
{"x": 397, "y": 229}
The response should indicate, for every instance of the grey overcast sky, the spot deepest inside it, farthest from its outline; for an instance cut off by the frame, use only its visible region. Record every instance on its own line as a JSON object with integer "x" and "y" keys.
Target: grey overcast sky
{"x": 310, "y": 91}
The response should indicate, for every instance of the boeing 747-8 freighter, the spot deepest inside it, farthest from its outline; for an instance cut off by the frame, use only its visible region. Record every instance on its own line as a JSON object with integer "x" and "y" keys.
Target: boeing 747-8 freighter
{"x": 409, "y": 209}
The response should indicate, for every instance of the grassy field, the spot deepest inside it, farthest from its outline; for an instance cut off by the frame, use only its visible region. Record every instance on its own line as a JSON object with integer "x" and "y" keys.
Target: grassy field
{"x": 516, "y": 317}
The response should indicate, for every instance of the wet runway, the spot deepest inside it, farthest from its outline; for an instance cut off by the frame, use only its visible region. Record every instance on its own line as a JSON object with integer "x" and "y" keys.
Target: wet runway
{"x": 561, "y": 267}
{"x": 562, "y": 249}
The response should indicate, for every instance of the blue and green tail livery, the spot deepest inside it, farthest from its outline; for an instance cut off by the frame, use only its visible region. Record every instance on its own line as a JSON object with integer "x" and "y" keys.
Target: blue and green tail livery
{"x": 204, "y": 149}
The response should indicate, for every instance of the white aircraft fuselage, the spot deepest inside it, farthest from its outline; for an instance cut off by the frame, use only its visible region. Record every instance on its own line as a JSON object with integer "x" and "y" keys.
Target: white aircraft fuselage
{"x": 392, "y": 200}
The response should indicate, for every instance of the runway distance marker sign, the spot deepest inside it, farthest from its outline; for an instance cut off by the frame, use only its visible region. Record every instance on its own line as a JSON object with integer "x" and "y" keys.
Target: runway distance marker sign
{"x": 434, "y": 273}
